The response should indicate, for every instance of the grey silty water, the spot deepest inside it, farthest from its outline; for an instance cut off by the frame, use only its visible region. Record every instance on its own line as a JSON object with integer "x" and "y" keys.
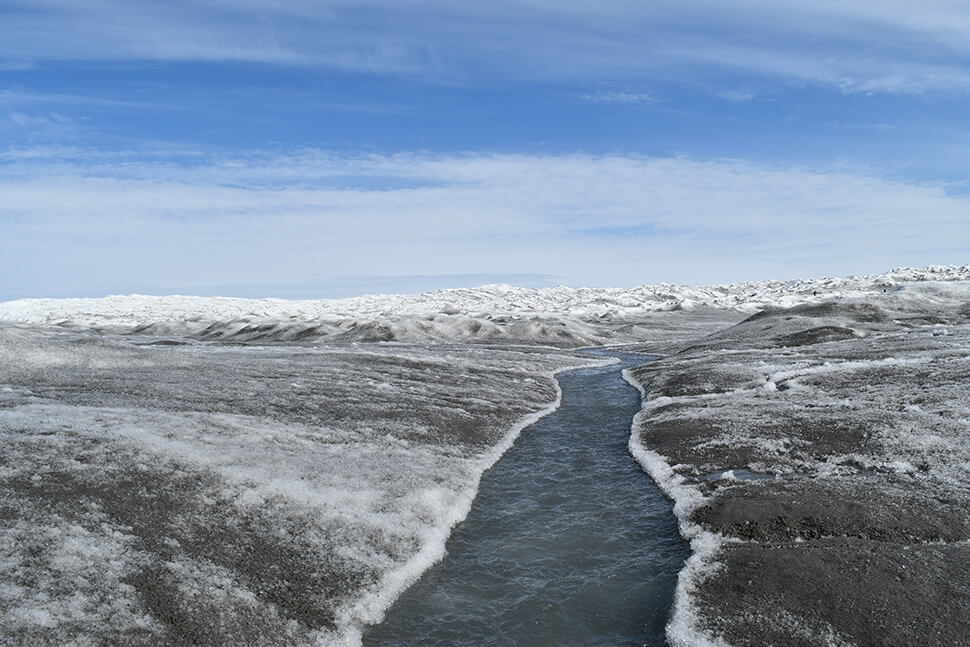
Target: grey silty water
{"x": 567, "y": 543}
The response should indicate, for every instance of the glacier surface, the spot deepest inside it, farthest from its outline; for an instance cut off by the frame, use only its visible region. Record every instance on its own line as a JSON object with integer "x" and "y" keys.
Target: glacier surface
{"x": 212, "y": 494}
{"x": 182, "y": 470}
{"x": 819, "y": 460}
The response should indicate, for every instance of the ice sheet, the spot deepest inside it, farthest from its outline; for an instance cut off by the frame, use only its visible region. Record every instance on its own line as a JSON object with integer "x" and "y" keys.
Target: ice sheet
{"x": 209, "y": 494}
{"x": 559, "y": 316}
{"x": 281, "y": 494}
{"x": 866, "y": 437}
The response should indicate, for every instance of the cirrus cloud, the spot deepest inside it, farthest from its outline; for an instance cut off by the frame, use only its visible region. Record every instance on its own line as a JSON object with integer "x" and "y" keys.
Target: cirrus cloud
{"x": 865, "y": 46}
{"x": 90, "y": 226}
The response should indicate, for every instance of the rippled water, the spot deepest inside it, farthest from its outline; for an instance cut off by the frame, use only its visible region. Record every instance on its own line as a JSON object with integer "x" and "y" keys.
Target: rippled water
{"x": 568, "y": 541}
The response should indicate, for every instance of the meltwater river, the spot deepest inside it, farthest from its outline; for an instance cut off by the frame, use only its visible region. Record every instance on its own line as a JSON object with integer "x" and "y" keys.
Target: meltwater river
{"x": 567, "y": 543}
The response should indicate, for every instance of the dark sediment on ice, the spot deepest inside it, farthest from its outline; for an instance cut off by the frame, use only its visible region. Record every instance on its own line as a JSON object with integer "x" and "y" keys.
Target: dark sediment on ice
{"x": 160, "y": 489}
{"x": 859, "y": 412}
{"x": 216, "y": 495}
{"x": 839, "y": 591}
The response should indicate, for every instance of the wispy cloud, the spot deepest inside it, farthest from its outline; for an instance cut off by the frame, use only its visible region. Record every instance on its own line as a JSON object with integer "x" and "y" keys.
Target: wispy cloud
{"x": 737, "y": 96}
{"x": 51, "y": 119}
{"x": 892, "y": 46}
{"x": 20, "y": 97}
{"x": 272, "y": 217}
{"x": 39, "y": 126}
{"x": 619, "y": 96}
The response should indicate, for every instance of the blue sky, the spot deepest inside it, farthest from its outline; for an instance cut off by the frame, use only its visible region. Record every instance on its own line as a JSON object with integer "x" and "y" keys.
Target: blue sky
{"x": 321, "y": 149}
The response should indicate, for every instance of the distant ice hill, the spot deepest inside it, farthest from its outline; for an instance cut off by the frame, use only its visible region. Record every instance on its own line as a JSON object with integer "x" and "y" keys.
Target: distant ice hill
{"x": 559, "y": 316}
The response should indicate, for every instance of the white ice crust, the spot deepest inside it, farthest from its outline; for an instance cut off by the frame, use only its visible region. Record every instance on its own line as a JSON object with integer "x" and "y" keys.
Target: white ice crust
{"x": 683, "y": 629}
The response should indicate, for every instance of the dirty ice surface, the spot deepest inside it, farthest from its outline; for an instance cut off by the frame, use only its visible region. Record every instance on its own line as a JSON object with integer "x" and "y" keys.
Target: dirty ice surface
{"x": 819, "y": 459}
{"x": 160, "y": 486}
{"x": 208, "y": 494}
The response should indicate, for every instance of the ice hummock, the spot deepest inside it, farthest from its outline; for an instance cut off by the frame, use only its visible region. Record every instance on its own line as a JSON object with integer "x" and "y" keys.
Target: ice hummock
{"x": 858, "y": 410}
{"x": 559, "y": 316}
{"x": 211, "y": 494}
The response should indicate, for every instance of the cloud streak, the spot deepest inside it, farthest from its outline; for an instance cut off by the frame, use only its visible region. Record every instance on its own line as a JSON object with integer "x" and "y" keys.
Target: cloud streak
{"x": 892, "y": 46}
{"x": 89, "y": 226}
{"x": 619, "y": 96}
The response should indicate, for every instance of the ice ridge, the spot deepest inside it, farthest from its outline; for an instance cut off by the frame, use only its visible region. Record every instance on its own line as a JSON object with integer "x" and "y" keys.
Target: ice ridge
{"x": 560, "y": 316}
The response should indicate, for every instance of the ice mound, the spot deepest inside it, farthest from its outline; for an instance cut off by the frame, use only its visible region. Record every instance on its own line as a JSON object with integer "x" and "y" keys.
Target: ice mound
{"x": 559, "y": 316}
{"x": 855, "y": 412}
{"x": 238, "y": 495}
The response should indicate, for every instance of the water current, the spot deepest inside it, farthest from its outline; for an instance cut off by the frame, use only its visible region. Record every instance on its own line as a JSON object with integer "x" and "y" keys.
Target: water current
{"x": 568, "y": 542}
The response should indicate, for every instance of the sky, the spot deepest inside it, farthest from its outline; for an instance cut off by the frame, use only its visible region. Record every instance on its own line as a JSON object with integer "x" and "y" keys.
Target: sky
{"x": 320, "y": 149}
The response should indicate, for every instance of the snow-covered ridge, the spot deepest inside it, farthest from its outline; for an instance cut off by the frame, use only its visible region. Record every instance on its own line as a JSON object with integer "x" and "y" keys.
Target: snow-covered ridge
{"x": 464, "y": 313}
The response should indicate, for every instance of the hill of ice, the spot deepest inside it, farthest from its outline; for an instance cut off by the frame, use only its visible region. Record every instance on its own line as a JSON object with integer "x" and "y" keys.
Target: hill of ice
{"x": 238, "y": 495}
{"x": 559, "y": 316}
{"x": 818, "y": 457}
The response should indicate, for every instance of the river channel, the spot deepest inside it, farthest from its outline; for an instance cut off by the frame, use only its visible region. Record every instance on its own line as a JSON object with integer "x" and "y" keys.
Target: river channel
{"x": 568, "y": 541}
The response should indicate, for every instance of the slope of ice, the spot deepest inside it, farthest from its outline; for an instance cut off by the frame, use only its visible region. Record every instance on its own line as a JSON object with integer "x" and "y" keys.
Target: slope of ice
{"x": 856, "y": 413}
{"x": 683, "y": 627}
{"x": 238, "y": 495}
{"x": 559, "y": 316}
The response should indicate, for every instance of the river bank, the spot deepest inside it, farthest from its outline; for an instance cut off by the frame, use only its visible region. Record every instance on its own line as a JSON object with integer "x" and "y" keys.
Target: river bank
{"x": 819, "y": 458}
{"x": 186, "y": 494}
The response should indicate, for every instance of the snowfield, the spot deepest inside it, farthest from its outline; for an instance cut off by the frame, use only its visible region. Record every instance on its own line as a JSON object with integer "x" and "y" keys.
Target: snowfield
{"x": 159, "y": 485}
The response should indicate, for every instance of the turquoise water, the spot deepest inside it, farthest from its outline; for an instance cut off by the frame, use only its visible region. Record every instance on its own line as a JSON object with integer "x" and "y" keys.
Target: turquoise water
{"x": 567, "y": 543}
